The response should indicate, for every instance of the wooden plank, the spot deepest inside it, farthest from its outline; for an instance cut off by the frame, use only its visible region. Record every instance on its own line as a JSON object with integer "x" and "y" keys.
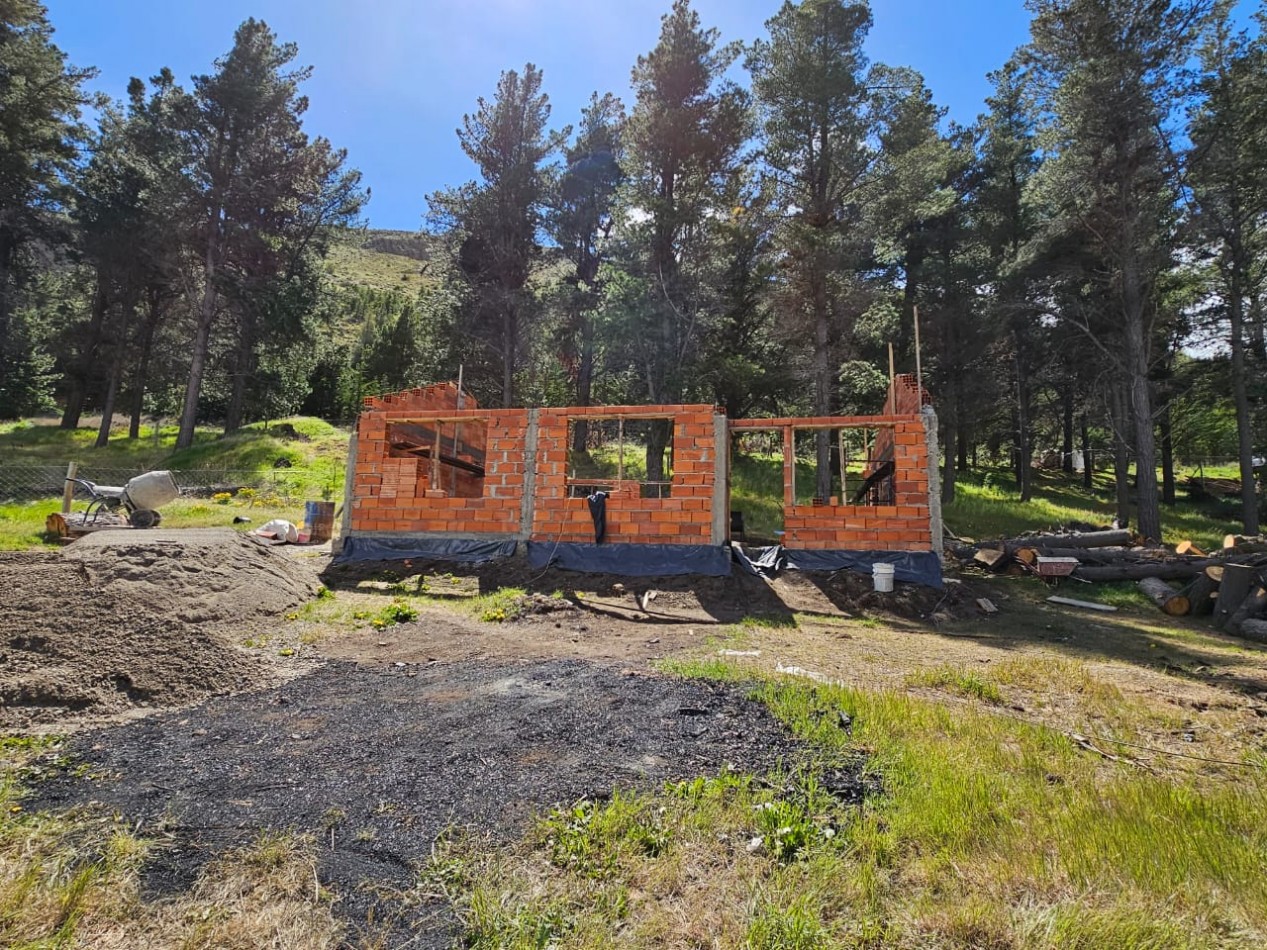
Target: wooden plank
{"x": 1086, "y": 604}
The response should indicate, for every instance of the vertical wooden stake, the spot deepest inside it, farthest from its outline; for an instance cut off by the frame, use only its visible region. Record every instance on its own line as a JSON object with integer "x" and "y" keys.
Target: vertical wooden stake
{"x": 919, "y": 370}
{"x": 844, "y": 469}
{"x": 457, "y": 430}
{"x": 435, "y": 458}
{"x": 789, "y": 467}
{"x": 892, "y": 382}
{"x": 68, "y": 490}
{"x": 620, "y": 452}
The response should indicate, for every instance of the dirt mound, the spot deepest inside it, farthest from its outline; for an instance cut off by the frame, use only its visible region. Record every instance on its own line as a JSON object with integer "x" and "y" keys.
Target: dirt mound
{"x": 130, "y": 619}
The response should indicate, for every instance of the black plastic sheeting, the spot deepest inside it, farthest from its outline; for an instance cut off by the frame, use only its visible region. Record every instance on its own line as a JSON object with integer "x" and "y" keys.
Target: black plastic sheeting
{"x": 598, "y": 514}
{"x": 912, "y": 567}
{"x": 632, "y": 560}
{"x": 379, "y": 548}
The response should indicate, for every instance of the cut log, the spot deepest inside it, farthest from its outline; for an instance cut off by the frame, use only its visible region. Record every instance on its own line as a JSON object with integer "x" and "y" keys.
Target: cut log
{"x": 1215, "y": 573}
{"x": 1237, "y": 581}
{"x": 992, "y": 560}
{"x": 1137, "y": 571}
{"x": 1251, "y": 608}
{"x": 1254, "y": 630}
{"x": 1200, "y": 594}
{"x": 1117, "y": 555}
{"x": 1089, "y": 539}
{"x": 1187, "y": 547}
{"x": 1027, "y": 556}
{"x": 1165, "y": 596}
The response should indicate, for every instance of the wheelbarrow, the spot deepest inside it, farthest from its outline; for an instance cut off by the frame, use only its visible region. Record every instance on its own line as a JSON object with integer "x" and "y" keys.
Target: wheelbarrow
{"x": 140, "y": 498}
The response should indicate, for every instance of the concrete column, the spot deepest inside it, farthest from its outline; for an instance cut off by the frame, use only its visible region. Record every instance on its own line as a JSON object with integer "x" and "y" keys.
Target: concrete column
{"x": 934, "y": 481}
{"x": 527, "y": 505}
{"x": 349, "y": 482}
{"x": 721, "y": 479}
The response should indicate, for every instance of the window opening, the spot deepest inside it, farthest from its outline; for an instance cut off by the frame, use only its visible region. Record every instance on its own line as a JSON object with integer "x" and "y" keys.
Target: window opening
{"x": 856, "y": 461}
{"x": 614, "y": 450}
{"x": 451, "y": 455}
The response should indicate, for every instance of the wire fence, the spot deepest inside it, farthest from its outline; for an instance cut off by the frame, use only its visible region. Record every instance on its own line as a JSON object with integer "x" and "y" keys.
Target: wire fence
{"x": 20, "y": 483}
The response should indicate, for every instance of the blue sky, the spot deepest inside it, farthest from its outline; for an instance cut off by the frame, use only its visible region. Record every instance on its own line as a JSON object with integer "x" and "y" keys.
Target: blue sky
{"x": 394, "y": 77}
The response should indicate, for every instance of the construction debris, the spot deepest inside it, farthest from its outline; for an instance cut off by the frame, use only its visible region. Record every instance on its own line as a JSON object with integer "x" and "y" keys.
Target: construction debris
{"x": 1230, "y": 583}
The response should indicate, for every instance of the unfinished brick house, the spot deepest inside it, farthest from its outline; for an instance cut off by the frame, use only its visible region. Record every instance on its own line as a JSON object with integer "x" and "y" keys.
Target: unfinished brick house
{"x": 431, "y": 474}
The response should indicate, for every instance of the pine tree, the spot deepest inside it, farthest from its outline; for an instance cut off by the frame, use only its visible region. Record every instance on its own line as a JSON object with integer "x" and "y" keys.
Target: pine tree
{"x": 809, "y": 82}
{"x": 40, "y": 134}
{"x": 683, "y": 142}
{"x": 580, "y": 221}
{"x": 264, "y": 192}
{"x": 1229, "y": 135}
{"x": 1110, "y": 75}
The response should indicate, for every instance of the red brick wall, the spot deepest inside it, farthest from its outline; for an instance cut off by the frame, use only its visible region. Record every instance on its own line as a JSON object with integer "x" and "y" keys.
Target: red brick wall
{"x": 390, "y": 494}
{"x": 903, "y": 526}
{"x": 683, "y": 518}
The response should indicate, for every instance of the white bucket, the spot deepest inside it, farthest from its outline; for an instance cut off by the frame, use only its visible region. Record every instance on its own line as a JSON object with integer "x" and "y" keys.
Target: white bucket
{"x": 882, "y": 574}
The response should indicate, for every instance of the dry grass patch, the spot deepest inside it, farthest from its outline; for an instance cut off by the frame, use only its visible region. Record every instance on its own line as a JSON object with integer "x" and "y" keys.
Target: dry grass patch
{"x": 73, "y": 881}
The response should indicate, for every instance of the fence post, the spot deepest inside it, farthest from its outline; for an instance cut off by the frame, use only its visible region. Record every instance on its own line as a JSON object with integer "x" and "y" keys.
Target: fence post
{"x": 68, "y": 489}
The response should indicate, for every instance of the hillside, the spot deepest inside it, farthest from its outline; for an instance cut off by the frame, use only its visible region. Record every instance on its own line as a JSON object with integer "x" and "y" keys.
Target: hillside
{"x": 382, "y": 260}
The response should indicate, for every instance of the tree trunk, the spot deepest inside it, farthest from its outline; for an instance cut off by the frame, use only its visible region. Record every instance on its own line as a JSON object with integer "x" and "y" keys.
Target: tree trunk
{"x": 964, "y": 449}
{"x": 1066, "y": 443}
{"x": 1088, "y": 461}
{"x": 1240, "y": 397}
{"x": 243, "y": 371}
{"x": 1167, "y": 459}
{"x": 1121, "y": 455}
{"x": 949, "y": 469}
{"x": 658, "y": 435}
{"x": 78, "y": 393}
{"x": 1024, "y": 448}
{"x": 141, "y": 377}
{"x": 824, "y": 383}
{"x": 115, "y": 377}
{"x": 510, "y": 343}
{"x": 1147, "y": 501}
{"x": 202, "y": 343}
{"x": 584, "y": 384}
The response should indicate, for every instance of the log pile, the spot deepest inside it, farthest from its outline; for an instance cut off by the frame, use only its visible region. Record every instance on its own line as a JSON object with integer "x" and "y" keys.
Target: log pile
{"x": 1228, "y": 585}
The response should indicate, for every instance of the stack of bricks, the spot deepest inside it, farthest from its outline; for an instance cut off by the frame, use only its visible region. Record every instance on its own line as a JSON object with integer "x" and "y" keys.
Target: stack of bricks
{"x": 685, "y": 517}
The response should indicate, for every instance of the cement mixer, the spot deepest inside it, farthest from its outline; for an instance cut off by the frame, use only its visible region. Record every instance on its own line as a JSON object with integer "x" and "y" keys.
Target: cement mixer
{"x": 140, "y": 498}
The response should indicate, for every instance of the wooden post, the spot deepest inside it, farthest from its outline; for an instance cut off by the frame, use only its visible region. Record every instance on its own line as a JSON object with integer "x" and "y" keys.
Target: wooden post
{"x": 844, "y": 463}
{"x": 435, "y": 458}
{"x": 620, "y": 450}
{"x": 892, "y": 382}
{"x": 919, "y": 368}
{"x": 789, "y": 467}
{"x": 68, "y": 490}
{"x": 457, "y": 432}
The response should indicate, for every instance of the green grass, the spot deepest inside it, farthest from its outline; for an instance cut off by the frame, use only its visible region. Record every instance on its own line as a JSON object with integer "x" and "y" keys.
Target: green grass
{"x": 351, "y": 265}
{"x": 987, "y": 505}
{"x": 316, "y": 455}
{"x": 984, "y": 831}
{"x": 957, "y": 680}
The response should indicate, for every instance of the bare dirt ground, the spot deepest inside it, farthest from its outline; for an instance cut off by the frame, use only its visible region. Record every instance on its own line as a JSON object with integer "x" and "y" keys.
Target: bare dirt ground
{"x": 393, "y": 736}
{"x": 377, "y": 762}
